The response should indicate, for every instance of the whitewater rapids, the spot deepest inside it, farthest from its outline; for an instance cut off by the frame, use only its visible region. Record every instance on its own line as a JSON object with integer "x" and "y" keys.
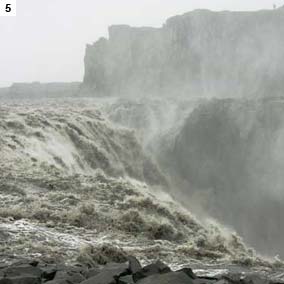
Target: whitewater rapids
{"x": 69, "y": 178}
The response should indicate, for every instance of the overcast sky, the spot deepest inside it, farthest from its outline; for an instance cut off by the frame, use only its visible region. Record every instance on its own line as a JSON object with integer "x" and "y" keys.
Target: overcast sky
{"x": 46, "y": 40}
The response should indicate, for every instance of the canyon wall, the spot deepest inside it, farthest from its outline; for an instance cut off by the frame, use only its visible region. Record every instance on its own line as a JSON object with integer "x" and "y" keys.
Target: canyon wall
{"x": 201, "y": 53}
{"x": 37, "y": 90}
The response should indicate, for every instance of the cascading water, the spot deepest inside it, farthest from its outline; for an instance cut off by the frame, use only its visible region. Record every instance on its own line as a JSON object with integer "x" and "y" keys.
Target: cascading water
{"x": 70, "y": 174}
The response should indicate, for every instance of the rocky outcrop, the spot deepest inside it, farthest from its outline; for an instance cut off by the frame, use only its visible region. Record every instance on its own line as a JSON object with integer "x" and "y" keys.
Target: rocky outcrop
{"x": 35, "y": 272}
{"x": 201, "y": 53}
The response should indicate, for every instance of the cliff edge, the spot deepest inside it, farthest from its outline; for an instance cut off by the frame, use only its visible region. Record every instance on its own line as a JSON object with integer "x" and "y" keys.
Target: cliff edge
{"x": 200, "y": 53}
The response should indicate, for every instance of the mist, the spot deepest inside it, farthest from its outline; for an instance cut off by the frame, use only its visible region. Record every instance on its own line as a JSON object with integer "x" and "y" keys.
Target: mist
{"x": 46, "y": 41}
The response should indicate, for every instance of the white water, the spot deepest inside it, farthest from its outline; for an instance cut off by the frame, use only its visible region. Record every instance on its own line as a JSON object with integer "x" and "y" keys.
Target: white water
{"x": 70, "y": 176}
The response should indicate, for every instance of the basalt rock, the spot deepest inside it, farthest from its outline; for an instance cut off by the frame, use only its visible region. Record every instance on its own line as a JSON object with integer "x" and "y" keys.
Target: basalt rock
{"x": 155, "y": 268}
{"x": 129, "y": 272}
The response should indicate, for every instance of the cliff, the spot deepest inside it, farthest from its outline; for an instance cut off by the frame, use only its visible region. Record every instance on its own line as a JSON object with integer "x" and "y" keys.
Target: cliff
{"x": 37, "y": 90}
{"x": 201, "y": 53}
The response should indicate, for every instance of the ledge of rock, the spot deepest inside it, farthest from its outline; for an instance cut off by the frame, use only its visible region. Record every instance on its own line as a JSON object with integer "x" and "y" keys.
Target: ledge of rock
{"x": 130, "y": 272}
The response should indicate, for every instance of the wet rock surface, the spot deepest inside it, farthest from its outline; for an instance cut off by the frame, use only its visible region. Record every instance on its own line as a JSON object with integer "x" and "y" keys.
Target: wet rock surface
{"x": 129, "y": 272}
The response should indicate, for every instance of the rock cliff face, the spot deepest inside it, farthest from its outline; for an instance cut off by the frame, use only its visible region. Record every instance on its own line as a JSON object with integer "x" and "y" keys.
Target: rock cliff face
{"x": 201, "y": 53}
{"x": 37, "y": 90}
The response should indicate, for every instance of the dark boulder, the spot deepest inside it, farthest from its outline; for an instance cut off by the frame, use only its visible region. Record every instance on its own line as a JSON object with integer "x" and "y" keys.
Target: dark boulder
{"x": 126, "y": 280}
{"x": 151, "y": 269}
{"x": 109, "y": 274}
{"x": 238, "y": 278}
{"x": 24, "y": 279}
{"x": 71, "y": 277}
{"x": 91, "y": 272}
{"x": 134, "y": 264}
{"x": 167, "y": 278}
{"x": 58, "y": 281}
{"x": 21, "y": 270}
{"x": 233, "y": 278}
{"x": 188, "y": 272}
{"x": 48, "y": 272}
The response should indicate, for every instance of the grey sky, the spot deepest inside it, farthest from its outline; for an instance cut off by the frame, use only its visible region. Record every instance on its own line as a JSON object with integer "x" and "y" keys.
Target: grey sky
{"x": 46, "y": 40}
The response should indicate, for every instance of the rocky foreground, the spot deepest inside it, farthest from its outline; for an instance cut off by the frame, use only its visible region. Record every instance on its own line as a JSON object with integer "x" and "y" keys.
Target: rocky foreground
{"x": 129, "y": 271}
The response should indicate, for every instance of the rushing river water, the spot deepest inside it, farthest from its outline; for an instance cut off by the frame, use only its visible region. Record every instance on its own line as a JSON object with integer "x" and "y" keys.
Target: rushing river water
{"x": 76, "y": 174}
